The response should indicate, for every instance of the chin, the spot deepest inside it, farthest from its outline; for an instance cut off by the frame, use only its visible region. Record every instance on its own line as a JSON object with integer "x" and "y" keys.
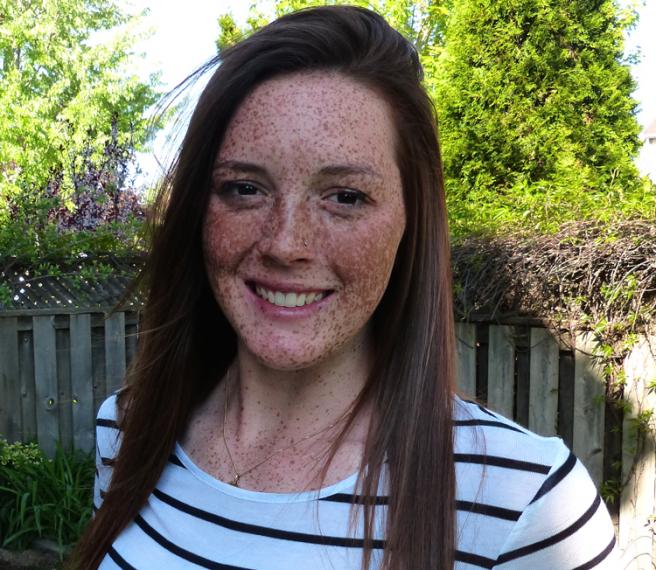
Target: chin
{"x": 289, "y": 358}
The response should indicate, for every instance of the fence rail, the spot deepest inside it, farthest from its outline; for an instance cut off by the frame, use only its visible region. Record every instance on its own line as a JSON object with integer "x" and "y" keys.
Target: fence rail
{"x": 55, "y": 370}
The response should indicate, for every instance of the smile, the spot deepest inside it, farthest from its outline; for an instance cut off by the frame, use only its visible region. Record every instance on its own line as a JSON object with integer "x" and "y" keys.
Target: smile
{"x": 289, "y": 299}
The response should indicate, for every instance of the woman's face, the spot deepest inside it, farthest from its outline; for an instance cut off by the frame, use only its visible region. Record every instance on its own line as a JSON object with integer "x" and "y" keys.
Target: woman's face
{"x": 305, "y": 217}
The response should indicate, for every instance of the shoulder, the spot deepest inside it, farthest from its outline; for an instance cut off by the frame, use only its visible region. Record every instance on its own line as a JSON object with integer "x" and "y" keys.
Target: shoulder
{"x": 108, "y": 434}
{"x": 479, "y": 431}
{"x": 548, "y": 511}
{"x": 108, "y": 441}
{"x": 500, "y": 462}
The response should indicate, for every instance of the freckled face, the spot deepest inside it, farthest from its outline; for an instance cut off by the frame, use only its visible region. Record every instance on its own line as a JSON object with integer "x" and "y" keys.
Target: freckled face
{"x": 305, "y": 217}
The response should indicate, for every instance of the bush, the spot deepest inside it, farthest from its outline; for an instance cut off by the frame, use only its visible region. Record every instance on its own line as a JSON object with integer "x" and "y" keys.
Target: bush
{"x": 43, "y": 498}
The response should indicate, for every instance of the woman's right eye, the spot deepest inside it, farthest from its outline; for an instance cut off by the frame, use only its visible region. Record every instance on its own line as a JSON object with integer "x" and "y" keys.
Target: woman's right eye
{"x": 238, "y": 189}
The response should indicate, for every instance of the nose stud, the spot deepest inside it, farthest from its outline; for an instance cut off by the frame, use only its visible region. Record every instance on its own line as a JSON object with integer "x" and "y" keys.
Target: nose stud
{"x": 305, "y": 243}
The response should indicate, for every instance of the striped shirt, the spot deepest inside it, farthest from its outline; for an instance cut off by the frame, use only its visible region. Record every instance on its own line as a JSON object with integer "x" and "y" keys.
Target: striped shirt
{"x": 523, "y": 502}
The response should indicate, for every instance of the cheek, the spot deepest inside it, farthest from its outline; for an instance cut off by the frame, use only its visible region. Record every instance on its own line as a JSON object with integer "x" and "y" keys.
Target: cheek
{"x": 367, "y": 260}
{"x": 225, "y": 239}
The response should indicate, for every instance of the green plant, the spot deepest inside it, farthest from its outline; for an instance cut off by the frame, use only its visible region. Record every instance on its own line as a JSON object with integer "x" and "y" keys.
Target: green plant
{"x": 72, "y": 117}
{"x": 42, "y": 497}
{"x": 611, "y": 490}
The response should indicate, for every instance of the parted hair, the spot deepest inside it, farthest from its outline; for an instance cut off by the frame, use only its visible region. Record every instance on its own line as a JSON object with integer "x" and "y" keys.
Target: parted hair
{"x": 411, "y": 383}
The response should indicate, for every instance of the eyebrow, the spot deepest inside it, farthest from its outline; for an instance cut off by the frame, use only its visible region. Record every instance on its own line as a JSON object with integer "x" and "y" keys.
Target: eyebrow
{"x": 330, "y": 170}
{"x": 346, "y": 169}
{"x": 246, "y": 167}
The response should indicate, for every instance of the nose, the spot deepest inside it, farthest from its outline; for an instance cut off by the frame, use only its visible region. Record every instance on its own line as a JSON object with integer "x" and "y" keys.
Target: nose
{"x": 287, "y": 233}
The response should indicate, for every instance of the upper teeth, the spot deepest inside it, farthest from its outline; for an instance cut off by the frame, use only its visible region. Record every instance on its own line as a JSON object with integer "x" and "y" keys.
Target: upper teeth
{"x": 288, "y": 299}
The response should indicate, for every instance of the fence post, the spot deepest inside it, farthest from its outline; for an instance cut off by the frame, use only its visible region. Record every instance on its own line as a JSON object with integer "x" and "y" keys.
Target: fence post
{"x": 28, "y": 402}
{"x": 10, "y": 411}
{"x": 638, "y": 501}
{"x": 466, "y": 354}
{"x": 82, "y": 382}
{"x": 589, "y": 409}
{"x": 45, "y": 372}
{"x": 114, "y": 351}
{"x": 543, "y": 383}
{"x": 501, "y": 370}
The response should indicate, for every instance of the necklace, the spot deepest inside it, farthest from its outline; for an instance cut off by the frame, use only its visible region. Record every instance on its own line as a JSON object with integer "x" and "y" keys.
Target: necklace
{"x": 237, "y": 475}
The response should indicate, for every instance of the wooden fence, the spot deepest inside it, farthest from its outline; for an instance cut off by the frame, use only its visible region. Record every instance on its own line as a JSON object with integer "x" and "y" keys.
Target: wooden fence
{"x": 55, "y": 370}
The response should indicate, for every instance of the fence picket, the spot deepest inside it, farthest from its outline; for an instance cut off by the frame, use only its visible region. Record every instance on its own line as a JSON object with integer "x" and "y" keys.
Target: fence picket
{"x": 501, "y": 370}
{"x": 10, "y": 421}
{"x": 65, "y": 398}
{"x": 466, "y": 358}
{"x": 27, "y": 385}
{"x": 45, "y": 369}
{"x": 82, "y": 382}
{"x": 543, "y": 384}
{"x": 114, "y": 351}
{"x": 589, "y": 392}
{"x": 638, "y": 502}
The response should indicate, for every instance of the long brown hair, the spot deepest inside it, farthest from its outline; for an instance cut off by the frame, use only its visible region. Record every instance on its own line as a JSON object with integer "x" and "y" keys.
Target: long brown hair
{"x": 412, "y": 380}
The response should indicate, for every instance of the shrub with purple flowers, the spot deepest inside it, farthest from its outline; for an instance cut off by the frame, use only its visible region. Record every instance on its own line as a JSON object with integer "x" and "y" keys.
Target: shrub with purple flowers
{"x": 72, "y": 116}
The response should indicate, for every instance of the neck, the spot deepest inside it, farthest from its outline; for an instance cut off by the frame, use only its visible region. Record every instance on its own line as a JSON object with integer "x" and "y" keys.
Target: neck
{"x": 269, "y": 407}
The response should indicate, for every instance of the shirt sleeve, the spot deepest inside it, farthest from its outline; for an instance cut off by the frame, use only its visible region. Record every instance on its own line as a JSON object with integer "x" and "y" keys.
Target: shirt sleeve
{"x": 565, "y": 526}
{"x": 107, "y": 444}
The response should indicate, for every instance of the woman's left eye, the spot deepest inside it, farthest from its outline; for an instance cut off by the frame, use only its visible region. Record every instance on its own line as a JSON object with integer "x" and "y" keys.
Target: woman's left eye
{"x": 348, "y": 197}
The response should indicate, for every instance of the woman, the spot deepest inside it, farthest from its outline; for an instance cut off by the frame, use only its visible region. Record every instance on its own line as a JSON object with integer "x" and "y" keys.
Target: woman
{"x": 292, "y": 403}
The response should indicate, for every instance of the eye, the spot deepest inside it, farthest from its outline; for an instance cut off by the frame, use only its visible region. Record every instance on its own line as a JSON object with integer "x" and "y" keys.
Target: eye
{"x": 348, "y": 197}
{"x": 236, "y": 189}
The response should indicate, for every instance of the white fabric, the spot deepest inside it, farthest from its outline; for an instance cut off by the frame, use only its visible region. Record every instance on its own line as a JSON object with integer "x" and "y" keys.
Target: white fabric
{"x": 193, "y": 520}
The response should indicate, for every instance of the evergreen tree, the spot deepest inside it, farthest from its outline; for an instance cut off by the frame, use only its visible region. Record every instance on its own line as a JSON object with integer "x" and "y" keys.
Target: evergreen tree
{"x": 537, "y": 119}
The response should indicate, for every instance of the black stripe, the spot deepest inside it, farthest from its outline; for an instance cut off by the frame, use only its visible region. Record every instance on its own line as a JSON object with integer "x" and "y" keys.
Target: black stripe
{"x": 179, "y": 551}
{"x": 357, "y": 499}
{"x": 501, "y": 462}
{"x": 556, "y": 477}
{"x": 481, "y": 408}
{"x": 262, "y": 530}
{"x": 120, "y": 561}
{"x": 488, "y": 510}
{"x": 102, "y": 422}
{"x": 489, "y": 423}
{"x": 173, "y": 458}
{"x": 563, "y": 534}
{"x": 109, "y": 461}
{"x": 474, "y": 559}
{"x": 597, "y": 559}
{"x": 478, "y": 508}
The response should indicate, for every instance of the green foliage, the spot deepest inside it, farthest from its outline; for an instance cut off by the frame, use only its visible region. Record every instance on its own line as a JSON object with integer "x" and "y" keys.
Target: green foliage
{"x": 611, "y": 490}
{"x": 537, "y": 121}
{"x": 422, "y": 21}
{"x": 41, "y": 497}
{"x": 71, "y": 116}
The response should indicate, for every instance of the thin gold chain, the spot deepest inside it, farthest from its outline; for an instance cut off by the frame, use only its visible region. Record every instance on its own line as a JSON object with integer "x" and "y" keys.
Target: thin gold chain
{"x": 237, "y": 475}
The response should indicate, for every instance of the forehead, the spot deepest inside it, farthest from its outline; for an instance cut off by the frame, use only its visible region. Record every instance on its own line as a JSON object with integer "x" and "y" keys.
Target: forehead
{"x": 317, "y": 114}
